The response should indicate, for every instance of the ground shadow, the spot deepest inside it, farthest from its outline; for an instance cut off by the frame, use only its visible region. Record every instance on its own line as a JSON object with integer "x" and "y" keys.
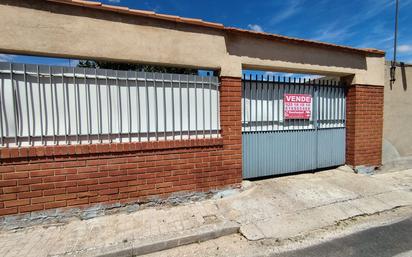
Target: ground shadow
{"x": 293, "y": 173}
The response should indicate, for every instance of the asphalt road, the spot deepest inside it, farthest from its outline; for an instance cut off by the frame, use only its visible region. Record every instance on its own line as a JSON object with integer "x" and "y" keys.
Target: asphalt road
{"x": 385, "y": 241}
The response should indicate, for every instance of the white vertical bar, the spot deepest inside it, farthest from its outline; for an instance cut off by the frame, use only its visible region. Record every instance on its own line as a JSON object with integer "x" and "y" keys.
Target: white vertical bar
{"x": 180, "y": 109}
{"x": 156, "y": 108}
{"x": 244, "y": 102}
{"x": 76, "y": 100}
{"x": 46, "y": 118}
{"x": 261, "y": 103}
{"x": 147, "y": 107}
{"x": 301, "y": 90}
{"x": 139, "y": 130}
{"x": 88, "y": 108}
{"x": 195, "y": 85}
{"x": 56, "y": 101}
{"x": 210, "y": 105}
{"x": 119, "y": 106}
{"x": 273, "y": 102}
{"x": 27, "y": 105}
{"x": 256, "y": 104}
{"x": 65, "y": 104}
{"x": 52, "y": 104}
{"x": 99, "y": 107}
{"x": 250, "y": 102}
{"x": 164, "y": 107}
{"x": 342, "y": 95}
{"x": 217, "y": 111}
{"x": 173, "y": 107}
{"x": 203, "y": 109}
{"x": 129, "y": 108}
{"x": 40, "y": 106}
{"x": 16, "y": 137}
{"x": 109, "y": 113}
{"x": 268, "y": 103}
{"x": 188, "y": 108}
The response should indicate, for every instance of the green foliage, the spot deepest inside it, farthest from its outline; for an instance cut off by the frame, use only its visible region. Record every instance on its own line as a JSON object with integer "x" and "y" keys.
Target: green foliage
{"x": 134, "y": 67}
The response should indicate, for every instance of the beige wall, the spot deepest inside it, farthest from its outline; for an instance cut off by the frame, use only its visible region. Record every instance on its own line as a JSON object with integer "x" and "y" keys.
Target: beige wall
{"x": 82, "y": 33}
{"x": 397, "y": 131}
{"x": 44, "y": 28}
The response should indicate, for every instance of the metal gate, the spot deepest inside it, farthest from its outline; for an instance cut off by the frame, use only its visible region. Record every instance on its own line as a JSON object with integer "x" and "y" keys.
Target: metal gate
{"x": 277, "y": 144}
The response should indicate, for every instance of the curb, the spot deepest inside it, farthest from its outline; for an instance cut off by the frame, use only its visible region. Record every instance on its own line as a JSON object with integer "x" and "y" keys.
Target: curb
{"x": 194, "y": 236}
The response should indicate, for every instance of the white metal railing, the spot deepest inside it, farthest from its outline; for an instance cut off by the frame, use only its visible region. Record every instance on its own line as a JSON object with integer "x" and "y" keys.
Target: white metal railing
{"x": 49, "y": 105}
{"x": 263, "y": 104}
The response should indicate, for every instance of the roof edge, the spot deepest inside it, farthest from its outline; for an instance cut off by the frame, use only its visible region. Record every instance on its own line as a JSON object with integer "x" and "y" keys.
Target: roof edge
{"x": 306, "y": 41}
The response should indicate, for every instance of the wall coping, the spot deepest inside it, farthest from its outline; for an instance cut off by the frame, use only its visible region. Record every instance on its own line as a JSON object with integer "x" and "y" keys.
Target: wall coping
{"x": 82, "y": 149}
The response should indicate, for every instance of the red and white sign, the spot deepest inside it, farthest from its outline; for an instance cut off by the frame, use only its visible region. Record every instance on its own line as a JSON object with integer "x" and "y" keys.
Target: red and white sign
{"x": 297, "y": 106}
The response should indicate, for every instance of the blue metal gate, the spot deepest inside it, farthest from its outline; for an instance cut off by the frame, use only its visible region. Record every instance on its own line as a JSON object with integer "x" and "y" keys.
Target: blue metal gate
{"x": 273, "y": 144}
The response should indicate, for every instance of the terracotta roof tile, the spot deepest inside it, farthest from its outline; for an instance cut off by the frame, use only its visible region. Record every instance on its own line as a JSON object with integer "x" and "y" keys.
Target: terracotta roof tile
{"x": 114, "y": 8}
{"x": 90, "y": 3}
{"x": 199, "y": 22}
{"x": 141, "y": 11}
{"x": 190, "y": 19}
{"x": 167, "y": 17}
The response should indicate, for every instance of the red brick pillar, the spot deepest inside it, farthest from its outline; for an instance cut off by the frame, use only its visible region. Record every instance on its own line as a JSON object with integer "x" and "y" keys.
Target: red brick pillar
{"x": 364, "y": 125}
{"x": 231, "y": 127}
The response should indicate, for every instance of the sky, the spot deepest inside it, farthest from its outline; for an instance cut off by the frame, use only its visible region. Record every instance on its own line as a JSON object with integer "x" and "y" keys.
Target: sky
{"x": 357, "y": 23}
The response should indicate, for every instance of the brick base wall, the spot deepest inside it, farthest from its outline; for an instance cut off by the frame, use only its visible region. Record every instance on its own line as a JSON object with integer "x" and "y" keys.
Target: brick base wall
{"x": 364, "y": 125}
{"x": 41, "y": 178}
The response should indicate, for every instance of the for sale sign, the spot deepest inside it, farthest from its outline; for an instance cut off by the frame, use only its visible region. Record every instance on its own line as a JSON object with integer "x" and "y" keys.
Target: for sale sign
{"x": 297, "y": 106}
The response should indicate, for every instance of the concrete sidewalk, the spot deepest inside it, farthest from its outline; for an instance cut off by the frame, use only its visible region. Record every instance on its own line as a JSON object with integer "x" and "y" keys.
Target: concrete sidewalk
{"x": 287, "y": 206}
{"x": 276, "y": 208}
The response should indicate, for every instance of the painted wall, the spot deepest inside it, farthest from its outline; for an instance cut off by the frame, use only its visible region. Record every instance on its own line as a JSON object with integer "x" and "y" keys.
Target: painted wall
{"x": 98, "y": 34}
{"x": 397, "y": 130}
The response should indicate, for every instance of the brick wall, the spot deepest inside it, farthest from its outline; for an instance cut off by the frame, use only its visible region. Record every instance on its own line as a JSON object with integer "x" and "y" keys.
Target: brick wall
{"x": 40, "y": 178}
{"x": 364, "y": 125}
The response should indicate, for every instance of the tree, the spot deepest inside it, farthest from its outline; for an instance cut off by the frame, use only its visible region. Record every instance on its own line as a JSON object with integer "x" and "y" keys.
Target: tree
{"x": 134, "y": 67}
